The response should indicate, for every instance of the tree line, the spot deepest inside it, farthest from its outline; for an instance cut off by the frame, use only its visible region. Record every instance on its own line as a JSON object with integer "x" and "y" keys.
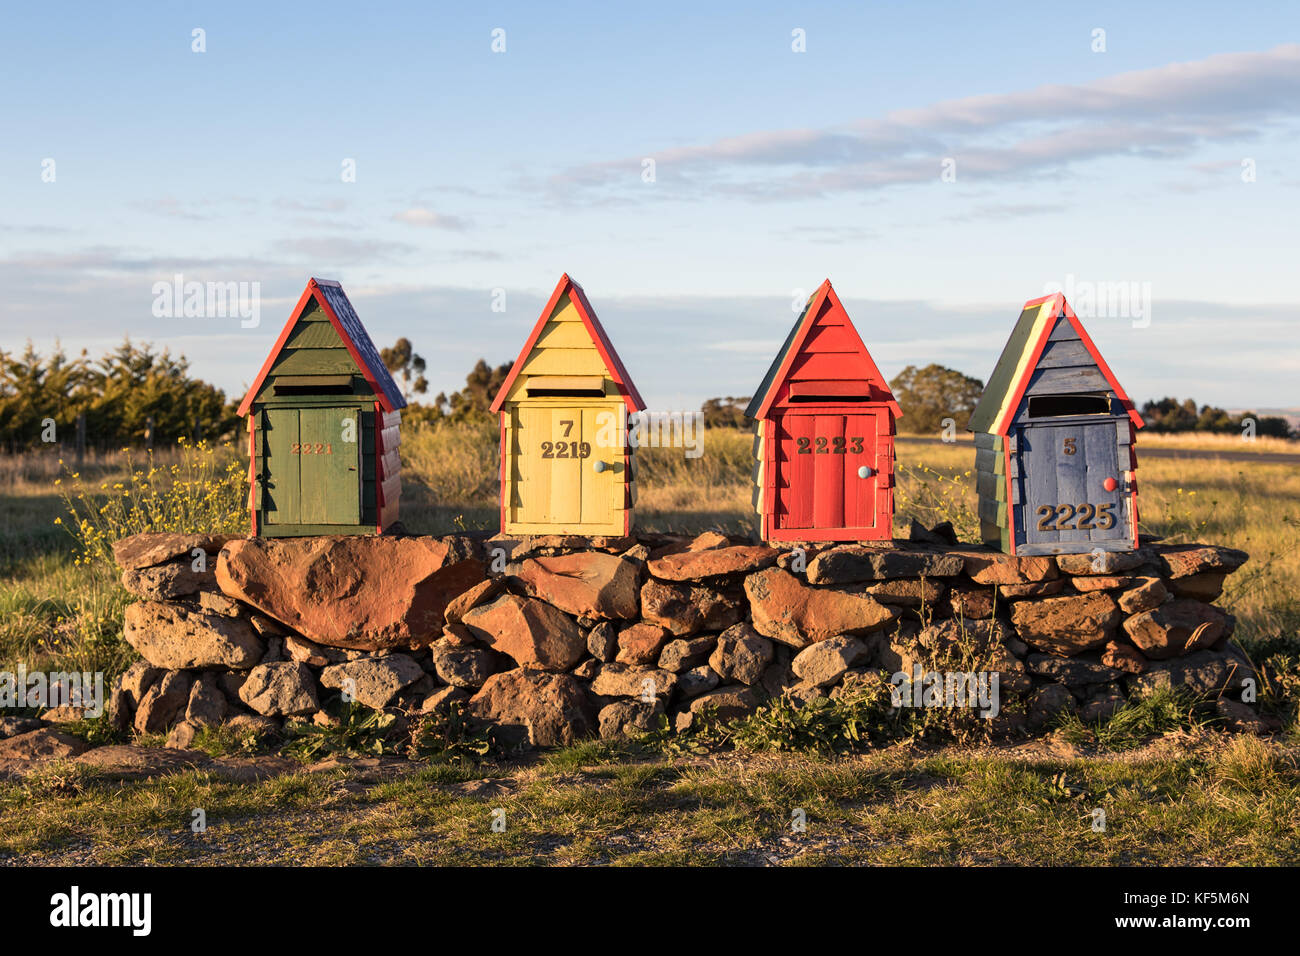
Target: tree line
{"x": 128, "y": 396}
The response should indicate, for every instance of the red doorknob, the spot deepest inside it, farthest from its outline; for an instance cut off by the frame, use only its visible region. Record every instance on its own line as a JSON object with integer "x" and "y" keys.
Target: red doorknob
{"x": 1110, "y": 484}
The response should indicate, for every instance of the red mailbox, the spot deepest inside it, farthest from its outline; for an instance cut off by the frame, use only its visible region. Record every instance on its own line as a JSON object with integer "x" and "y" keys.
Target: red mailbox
{"x": 824, "y": 419}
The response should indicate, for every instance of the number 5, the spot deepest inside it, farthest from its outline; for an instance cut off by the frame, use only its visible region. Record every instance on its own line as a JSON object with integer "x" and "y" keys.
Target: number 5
{"x": 1069, "y": 446}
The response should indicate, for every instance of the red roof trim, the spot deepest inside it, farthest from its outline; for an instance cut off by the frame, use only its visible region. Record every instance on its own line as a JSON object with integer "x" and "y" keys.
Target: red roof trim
{"x": 308, "y": 294}
{"x": 825, "y": 290}
{"x": 1018, "y": 395}
{"x": 613, "y": 364}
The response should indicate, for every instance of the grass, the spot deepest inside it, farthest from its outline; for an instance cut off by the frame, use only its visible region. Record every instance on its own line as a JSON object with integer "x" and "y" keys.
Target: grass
{"x": 1193, "y": 796}
{"x": 1188, "y": 800}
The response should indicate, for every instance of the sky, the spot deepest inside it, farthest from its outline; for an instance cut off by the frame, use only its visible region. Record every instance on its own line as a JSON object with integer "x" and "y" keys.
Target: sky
{"x": 699, "y": 168}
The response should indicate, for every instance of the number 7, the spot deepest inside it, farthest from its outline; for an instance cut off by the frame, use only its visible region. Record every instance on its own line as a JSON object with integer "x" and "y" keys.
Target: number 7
{"x": 568, "y": 427}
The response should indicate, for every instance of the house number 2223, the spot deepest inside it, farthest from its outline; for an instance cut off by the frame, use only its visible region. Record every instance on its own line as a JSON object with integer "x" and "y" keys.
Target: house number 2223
{"x": 839, "y": 445}
{"x": 307, "y": 448}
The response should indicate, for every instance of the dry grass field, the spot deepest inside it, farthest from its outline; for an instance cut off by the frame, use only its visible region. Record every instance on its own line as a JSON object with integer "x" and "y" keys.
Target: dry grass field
{"x": 1175, "y": 789}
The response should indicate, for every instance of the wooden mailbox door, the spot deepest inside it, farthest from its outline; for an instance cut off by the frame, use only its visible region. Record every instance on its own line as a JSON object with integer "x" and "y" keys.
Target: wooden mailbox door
{"x": 553, "y": 477}
{"x": 818, "y": 460}
{"x": 313, "y": 473}
{"x": 1063, "y": 468}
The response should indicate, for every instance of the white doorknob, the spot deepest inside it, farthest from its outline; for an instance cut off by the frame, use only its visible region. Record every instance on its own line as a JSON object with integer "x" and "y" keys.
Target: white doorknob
{"x": 865, "y": 472}
{"x": 599, "y": 466}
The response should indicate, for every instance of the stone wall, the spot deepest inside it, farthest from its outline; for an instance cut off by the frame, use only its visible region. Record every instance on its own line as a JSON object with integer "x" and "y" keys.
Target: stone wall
{"x": 557, "y": 638}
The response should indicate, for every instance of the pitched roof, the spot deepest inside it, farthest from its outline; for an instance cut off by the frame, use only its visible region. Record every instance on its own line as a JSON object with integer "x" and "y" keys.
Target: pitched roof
{"x": 613, "y": 364}
{"x": 1020, "y": 357}
{"x": 333, "y": 302}
{"x": 794, "y": 343}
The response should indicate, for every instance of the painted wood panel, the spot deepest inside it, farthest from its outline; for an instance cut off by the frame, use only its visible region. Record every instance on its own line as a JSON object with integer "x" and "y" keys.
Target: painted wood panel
{"x": 817, "y": 482}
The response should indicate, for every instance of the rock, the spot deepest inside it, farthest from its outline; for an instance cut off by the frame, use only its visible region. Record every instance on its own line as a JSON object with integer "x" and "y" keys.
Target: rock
{"x": 1067, "y": 625}
{"x": 1047, "y": 702}
{"x": 1147, "y": 595}
{"x": 173, "y": 637}
{"x": 217, "y": 602}
{"x": 1204, "y": 673}
{"x": 683, "y": 655}
{"x": 480, "y": 593}
{"x": 1071, "y": 671}
{"x": 1103, "y": 562}
{"x": 442, "y": 699}
{"x": 551, "y": 544}
{"x": 741, "y": 654}
{"x": 624, "y": 716}
{"x": 588, "y": 669}
{"x": 1032, "y": 589}
{"x": 712, "y": 562}
{"x": 24, "y": 752}
{"x": 1185, "y": 560}
{"x": 252, "y": 769}
{"x": 207, "y": 704}
{"x": 150, "y": 549}
{"x": 696, "y": 681}
{"x": 460, "y": 665}
{"x": 910, "y": 592}
{"x": 824, "y": 663}
{"x": 624, "y": 680}
{"x": 13, "y": 726}
{"x": 991, "y": 567}
{"x": 727, "y": 702}
{"x": 266, "y": 627}
{"x": 532, "y": 633}
{"x": 165, "y": 582}
{"x": 688, "y": 608}
{"x": 182, "y": 735}
{"x": 280, "y": 690}
{"x": 552, "y": 708}
{"x": 1240, "y": 718}
{"x": 124, "y": 762}
{"x": 1178, "y": 627}
{"x": 794, "y": 613}
{"x": 942, "y": 534}
{"x": 900, "y": 652}
{"x": 1101, "y": 706}
{"x": 640, "y": 643}
{"x": 964, "y": 600}
{"x": 364, "y": 592}
{"x": 373, "y": 681}
{"x": 1206, "y": 586}
{"x": 959, "y": 637}
{"x": 588, "y": 584}
{"x": 848, "y": 564}
{"x": 138, "y": 678}
{"x": 1103, "y": 582}
{"x": 163, "y": 703}
{"x": 309, "y": 652}
{"x": 1123, "y": 657}
{"x": 254, "y": 724}
{"x": 274, "y": 651}
{"x": 602, "y": 641}
{"x": 1013, "y": 677}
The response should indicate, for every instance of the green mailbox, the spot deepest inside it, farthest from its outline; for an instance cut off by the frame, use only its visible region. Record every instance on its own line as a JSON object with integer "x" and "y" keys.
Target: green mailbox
{"x": 324, "y": 418}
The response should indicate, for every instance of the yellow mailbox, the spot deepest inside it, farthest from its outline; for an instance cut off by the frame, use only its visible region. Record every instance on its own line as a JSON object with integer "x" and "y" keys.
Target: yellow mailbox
{"x": 566, "y": 464}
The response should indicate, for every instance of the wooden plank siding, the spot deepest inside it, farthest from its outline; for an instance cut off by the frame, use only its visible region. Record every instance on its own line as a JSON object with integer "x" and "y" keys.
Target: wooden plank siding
{"x": 565, "y": 391}
{"x": 822, "y": 413}
{"x": 311, "y": 395}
